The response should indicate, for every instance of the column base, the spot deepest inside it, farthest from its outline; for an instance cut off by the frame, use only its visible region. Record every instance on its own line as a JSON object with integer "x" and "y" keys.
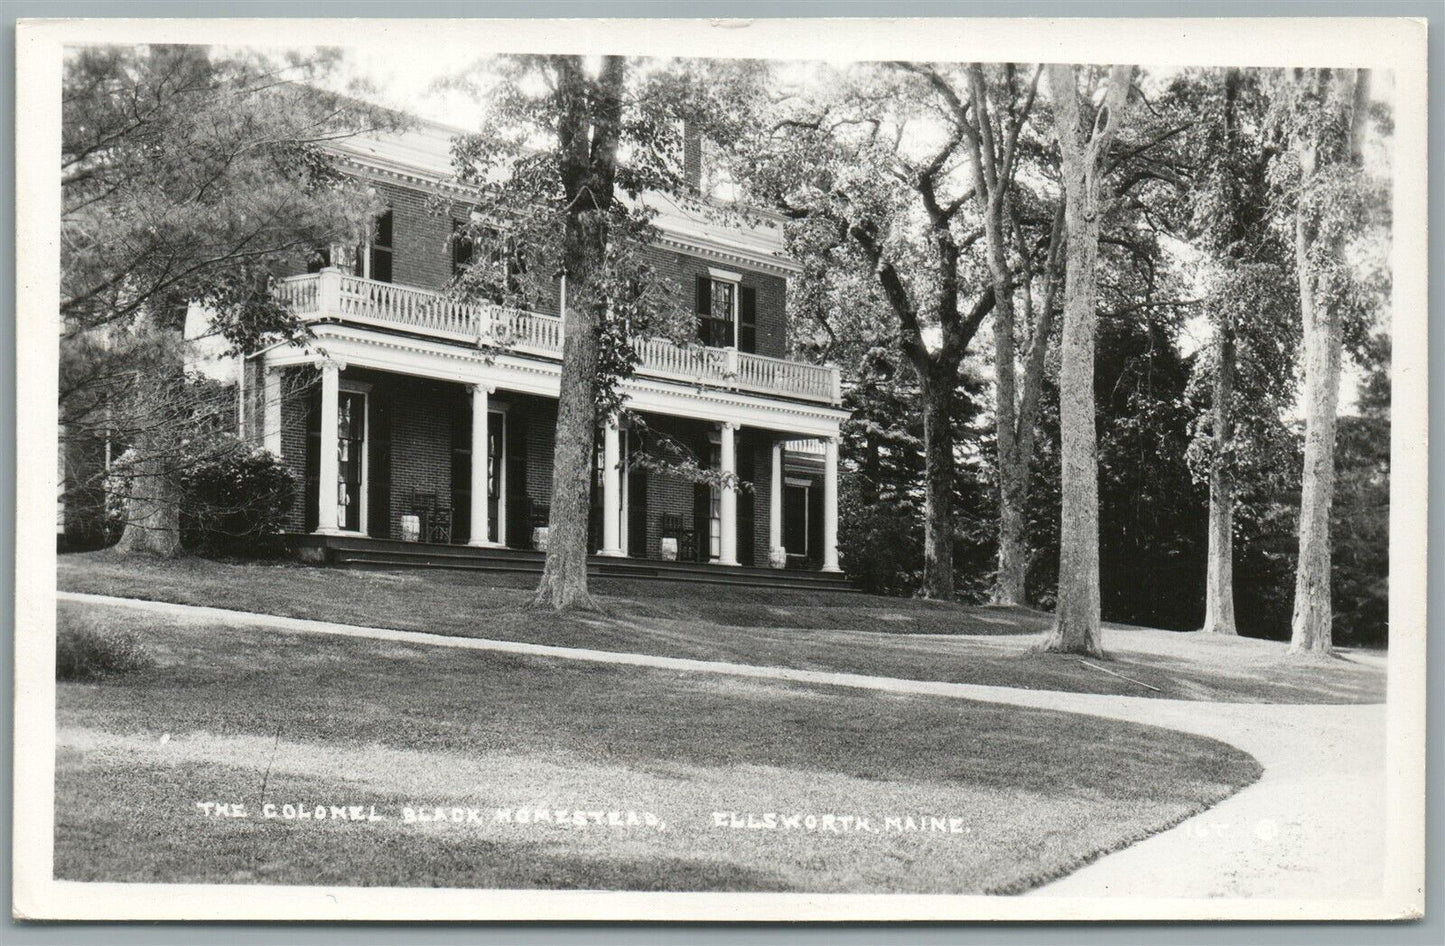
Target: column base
{"x": 330, "y": 532}
{"x": 727, "y": 564}
{"x": 834, "y": 569}
{"x": 485, "y": 545}
{"x": 611, "y": 553}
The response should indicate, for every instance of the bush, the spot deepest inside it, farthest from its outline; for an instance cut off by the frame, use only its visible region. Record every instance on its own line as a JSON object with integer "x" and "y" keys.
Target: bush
{"x": 235, "y": 500}
{"x": 233, "y": 496}
{"x": 84, "y": 652}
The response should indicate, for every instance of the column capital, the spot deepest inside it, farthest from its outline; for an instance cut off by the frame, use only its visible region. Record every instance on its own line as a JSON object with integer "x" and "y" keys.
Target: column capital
{"x": 327, "y": 362}
{"x": 729, "y": 425}
{"x": 477, "y": 387}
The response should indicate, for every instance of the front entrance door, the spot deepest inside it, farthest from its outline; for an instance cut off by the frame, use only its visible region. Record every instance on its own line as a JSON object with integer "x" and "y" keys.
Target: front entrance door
{"x": 795, "y": 520}
{"x": 351, "y": 466}
{"x": 496, "y": 475}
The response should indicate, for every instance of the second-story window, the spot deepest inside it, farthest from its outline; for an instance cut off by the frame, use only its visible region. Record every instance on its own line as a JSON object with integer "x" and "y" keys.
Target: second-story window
{"x": 726, "y": 312}
{"x": 374, "y": 262}
{"x": 462, "y": 247}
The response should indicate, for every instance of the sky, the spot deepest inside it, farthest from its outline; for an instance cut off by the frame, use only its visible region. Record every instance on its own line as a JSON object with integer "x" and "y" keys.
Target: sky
{"x": 414, "y": 80}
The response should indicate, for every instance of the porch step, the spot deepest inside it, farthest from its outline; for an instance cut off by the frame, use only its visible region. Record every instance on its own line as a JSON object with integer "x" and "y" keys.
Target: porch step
{"x": 352, "y": 552}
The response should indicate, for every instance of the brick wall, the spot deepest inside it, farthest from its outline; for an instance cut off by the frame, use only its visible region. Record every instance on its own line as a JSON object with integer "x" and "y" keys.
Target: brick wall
{"x": 296, "y": 386}
{"x": 423, "y": 414}
{"x": 683, "y": 270}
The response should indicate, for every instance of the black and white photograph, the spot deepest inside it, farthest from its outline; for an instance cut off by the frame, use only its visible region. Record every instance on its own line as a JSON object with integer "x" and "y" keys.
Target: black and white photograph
{"x": 721, "y": 470}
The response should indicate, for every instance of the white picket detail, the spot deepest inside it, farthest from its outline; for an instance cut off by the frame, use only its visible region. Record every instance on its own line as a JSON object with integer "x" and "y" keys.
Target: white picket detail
{"x": 761, "y": 373}
{"x": 334, "y": 294}
{"x": 300, "y": 293}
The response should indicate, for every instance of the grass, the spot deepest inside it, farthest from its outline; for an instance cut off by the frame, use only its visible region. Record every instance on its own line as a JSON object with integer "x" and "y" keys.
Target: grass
{"x": 91, "y": 650}
{"x": 242, "y": 715}
{"x": 809, "y": 630}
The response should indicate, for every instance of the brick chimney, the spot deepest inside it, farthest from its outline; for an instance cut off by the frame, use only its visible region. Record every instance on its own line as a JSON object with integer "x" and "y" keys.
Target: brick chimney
{"x": 692, "y": 157}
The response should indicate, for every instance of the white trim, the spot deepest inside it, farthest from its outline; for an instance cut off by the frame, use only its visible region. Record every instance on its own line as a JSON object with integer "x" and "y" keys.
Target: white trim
{"x": 271, "y": 409}
{"x": 442, "y": 362}
{"x": 798, "y": 481}
{"x": 726, "y": 275}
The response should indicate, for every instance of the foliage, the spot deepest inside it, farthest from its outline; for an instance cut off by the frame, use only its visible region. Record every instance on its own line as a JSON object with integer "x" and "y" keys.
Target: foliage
{"x": 192, "y": 175}
{"x": 191, "y": 179}
{"x": 235, "y": 499}
{"x": 1360, "y": 526}
{"x": 231, "y": 496}
{"x": 519, "y": 174}
{"x": 86, "y": 652}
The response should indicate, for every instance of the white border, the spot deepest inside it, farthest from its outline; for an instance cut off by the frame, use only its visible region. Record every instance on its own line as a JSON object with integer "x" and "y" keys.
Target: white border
{"x": 1396, "y": 44}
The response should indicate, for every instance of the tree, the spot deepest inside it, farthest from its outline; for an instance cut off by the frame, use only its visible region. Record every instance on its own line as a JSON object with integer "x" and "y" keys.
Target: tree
{"x": 582, "y": 151}
{"x": 1076, "y": 621}
{"x": 1327, "y": 113}
{"x": 1246, "y": 376}
{"x": 993, "y": 159}
{"x": 863, "y": 192}
{"x": 188, "y": 177}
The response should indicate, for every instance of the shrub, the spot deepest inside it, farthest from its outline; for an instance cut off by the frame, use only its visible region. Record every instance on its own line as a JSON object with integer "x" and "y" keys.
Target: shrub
{"x": 234, "y": 500}
{"x": 84, "y": 651}
{"x": 233, "y": 496}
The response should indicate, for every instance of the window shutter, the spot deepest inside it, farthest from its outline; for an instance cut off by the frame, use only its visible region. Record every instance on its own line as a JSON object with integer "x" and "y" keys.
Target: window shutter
{"x": 704, "y": 309}
{"x": 704, "y": 296}
{"x": 748, "y": 319}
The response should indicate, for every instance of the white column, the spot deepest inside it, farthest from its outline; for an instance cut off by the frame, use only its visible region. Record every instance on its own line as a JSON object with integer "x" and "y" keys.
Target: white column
{"x": 329, "y": 475}
{"x": 271, "y": 410}
{"x": 611, "y": 491}
{"x": 481, "y": 530}
{"x": 727, "y": 455}
{"x": 775, "y": 509}
{"x": 830, "y": 505}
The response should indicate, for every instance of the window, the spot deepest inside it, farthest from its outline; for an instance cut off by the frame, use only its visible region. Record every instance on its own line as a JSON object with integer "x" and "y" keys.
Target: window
{"x": 714, "y": 510}
{"x": 380, "y": 255}
{"x": 351, "y": 460}
{"x": 373, "y": 258}
{"x": 716, "y": 308}
{"x": 462, "y": 247}
{"x": 727, "y": 312}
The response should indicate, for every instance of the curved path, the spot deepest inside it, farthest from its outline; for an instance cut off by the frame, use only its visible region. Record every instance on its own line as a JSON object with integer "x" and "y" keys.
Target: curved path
{"x": 1311, "y": 827}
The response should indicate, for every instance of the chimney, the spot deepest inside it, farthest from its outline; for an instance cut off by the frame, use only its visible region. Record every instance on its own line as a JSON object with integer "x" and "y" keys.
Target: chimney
{"x": 692, "y": 157}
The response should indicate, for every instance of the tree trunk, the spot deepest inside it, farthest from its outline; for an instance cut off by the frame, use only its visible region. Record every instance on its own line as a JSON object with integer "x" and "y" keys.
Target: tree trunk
{"x": 1311, "y": 626}
{"x": 588, "y": 130}
{"x": 1017, "y": 459}
{"x": 564, "y": 576}
{"x": 152, "y": 514}
{"x": 938, "y": 386}
{"x": 1219, "y": 583}
{"x": 1312, "y": 623}
{"x": 1076, "y": 621}
{"x": 1009, "y": 583}
{"x": 1012, "y": 471}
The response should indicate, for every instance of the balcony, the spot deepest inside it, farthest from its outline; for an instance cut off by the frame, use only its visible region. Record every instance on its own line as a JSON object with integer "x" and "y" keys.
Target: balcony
{"x": 332, "y": 294}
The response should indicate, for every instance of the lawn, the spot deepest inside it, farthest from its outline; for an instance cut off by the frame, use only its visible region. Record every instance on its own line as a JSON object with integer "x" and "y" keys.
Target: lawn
{"x": 641, "y": 773}
{"x": 896, "y": 637}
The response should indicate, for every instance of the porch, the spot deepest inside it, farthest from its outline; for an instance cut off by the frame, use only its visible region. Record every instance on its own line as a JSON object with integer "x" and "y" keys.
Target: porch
{"x": 368, "y": 553}
{"x": 402, "y": 449}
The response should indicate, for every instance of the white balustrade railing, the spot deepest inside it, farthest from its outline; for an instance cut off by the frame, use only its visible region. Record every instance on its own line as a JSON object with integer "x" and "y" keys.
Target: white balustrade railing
{"x": 331, "y": 293}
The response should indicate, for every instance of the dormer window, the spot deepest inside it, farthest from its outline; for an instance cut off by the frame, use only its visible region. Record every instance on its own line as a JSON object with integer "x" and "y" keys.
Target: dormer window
{"x": 726, "y": 311}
